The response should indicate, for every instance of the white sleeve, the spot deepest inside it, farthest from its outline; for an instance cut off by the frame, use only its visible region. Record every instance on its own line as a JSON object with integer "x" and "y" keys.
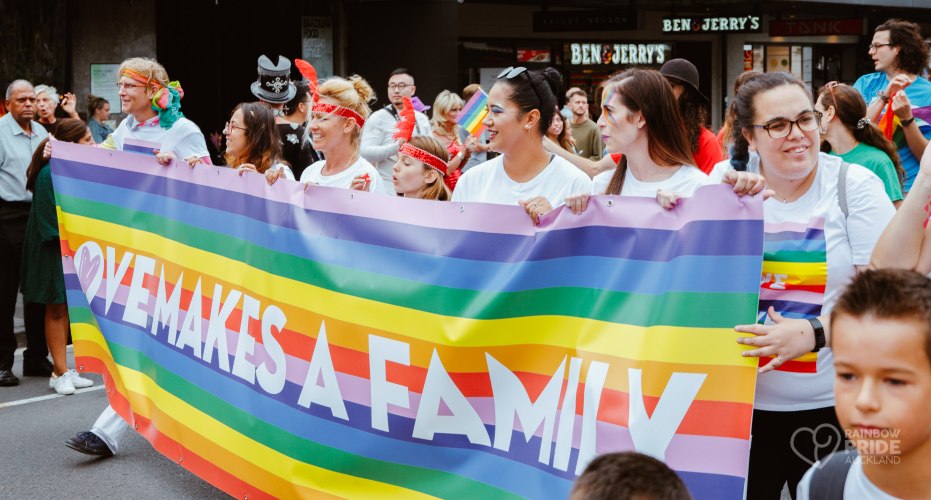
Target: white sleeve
{"x": 288, "y": 174}
{"x": 801, "y": 492}
{"x": 581, "y": 184}
{"x": 377, "y": 183}
{"x": 870, "y": 212}
{"x": 373, "y": 134}
{"x": 462, "y": 191}
{"x": 600, "y": 182}
{"x": 423, "y": 125}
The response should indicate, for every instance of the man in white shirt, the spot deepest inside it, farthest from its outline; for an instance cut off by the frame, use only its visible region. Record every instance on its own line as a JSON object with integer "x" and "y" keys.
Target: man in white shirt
{"x": 378, "y": 145}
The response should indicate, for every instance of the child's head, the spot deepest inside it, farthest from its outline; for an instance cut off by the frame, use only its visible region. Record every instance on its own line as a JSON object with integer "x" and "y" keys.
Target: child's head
{"x": 628, "y": 475}
{"x": 881, "y": 331}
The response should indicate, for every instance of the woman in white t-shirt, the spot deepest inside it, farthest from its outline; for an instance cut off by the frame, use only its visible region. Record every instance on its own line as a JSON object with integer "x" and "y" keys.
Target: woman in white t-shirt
{"x": 338, "y": 114}
{"x": 520, "y": 108}
{"x": 252, "y": 141}
{"x": 640, "y": 118}
{"x": 811, "y": 250}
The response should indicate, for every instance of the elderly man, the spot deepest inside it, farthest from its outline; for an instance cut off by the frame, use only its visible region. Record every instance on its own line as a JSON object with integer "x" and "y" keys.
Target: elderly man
{"x": 19, "y": 137}
{"x": 378, "y": 145}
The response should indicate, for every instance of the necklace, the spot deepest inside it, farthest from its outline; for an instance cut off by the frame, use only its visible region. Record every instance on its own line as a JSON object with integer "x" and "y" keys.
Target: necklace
{"x": 779, "y": 198}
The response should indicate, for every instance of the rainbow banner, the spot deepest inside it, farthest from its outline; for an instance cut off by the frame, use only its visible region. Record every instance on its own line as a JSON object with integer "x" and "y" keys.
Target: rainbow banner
{"x": 283, "y": 343}
{"x": 474, "y": 112}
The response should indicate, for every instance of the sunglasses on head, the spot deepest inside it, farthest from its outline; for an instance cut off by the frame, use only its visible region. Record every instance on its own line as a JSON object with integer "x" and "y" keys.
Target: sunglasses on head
{"x": 511, "y": 72}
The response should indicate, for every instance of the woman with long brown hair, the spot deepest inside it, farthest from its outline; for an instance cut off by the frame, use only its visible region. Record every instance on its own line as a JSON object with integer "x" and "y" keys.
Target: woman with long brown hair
{"x": 252, "y": 141}
{"x": 848, "y": 134}
{"x": 43, "y": 280}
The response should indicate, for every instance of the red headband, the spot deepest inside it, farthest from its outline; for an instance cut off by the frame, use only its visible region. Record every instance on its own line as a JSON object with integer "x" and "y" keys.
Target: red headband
{"x": 332, "y": 109}
{"x": 421, "y": 155}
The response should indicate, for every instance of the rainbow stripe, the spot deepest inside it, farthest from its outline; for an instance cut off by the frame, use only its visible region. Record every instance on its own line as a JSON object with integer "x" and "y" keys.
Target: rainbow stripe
{"x": 471, "y": 116}
{"x": 795, "y": 273}
{"x": 459, "y": 283}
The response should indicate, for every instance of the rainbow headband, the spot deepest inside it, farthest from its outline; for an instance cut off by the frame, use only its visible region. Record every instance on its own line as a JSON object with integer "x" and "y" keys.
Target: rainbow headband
{"x": 421, "y": 155}
{"x": 332, "y": 109}
{"x": 167, "y": 99}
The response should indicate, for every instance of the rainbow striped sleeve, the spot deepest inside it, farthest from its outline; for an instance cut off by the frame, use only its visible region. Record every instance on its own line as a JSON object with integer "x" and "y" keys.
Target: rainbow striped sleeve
{"x": 330, "y": 343}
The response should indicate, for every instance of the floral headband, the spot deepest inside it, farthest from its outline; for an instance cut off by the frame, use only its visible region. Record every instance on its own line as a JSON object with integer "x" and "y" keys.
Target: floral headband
{"x": 167, "y": 99}
{"x": 332, "y": 109}
{"x": 421, "y": 155}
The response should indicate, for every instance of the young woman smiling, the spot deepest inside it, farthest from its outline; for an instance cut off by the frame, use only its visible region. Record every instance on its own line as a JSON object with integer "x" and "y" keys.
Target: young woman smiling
{"x": 252, "y": 141}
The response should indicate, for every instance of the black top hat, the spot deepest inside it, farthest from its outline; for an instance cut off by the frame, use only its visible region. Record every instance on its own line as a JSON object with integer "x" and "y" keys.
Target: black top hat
{"x": 684, "y": 71}
{"x": 274, "y": 83}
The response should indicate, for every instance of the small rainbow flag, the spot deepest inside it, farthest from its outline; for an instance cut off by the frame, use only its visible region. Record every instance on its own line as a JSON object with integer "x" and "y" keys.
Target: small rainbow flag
{"x": 474, "y": 112}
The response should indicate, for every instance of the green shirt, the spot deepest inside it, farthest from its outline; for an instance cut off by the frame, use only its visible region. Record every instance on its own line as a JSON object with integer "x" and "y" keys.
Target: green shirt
{"x": 877, "y": 162}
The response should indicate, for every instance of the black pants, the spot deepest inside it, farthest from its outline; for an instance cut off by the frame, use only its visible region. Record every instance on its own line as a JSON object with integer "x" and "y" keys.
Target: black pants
{"x": 13, "y": 217}
{"x": 774, "y": 454}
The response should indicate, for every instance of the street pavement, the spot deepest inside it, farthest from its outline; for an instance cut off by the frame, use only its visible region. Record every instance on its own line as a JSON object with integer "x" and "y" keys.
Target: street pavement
{"x": 34, "y": 424}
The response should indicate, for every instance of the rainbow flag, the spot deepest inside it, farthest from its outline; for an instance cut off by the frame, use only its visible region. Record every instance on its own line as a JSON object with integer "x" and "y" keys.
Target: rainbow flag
{"x": 795, "y": 273}
{"x": 283, "y": 343}
{"x": 471, "y": 116}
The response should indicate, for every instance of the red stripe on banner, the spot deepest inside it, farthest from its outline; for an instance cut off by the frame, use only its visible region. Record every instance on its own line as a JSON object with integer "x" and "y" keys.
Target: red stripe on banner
{"x": 792, "y": 366}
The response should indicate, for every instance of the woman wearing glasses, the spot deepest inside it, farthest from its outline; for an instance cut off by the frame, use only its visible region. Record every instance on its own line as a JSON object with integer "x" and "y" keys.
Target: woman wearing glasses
{"x": 336, "y": 127}
{"x": 252, "y": 141}
{"x": 855, "y": 139}
{"x": 520, "y": 109}
{"x": 811, "y": 250}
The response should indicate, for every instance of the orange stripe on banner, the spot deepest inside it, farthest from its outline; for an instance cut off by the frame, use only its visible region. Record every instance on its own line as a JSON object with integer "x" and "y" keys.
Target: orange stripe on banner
{"x": 704, "y": 418}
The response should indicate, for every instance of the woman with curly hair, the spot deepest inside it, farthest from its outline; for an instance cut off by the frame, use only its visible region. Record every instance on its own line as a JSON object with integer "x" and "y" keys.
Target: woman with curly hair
{"x": 693, "y": 107}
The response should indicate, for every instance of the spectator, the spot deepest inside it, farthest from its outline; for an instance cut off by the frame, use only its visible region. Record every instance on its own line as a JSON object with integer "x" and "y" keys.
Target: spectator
{"x": 899, "y": 56}
{"x": 882, "y": 355}
{"x": 855, "y": 139}
{"x": 421, "y": 166}
{"x": 274, "y": 87}
{"x": 20, "y": 135}
{"x": 585, "y": 133}
{"x": 559, "y": 134}
{"x": 296, "y": 149}
{"x": 693, "y": 109}
{"x": 47, "y": 102}
{"x": 378, "y": 145}
{"x": 43, "y": 280}
{"x": 816, "y": 241}
{"x": 521, "y": 106}
{"x": 628, "y": 476}
{"x": 98, "y": 111}
{"x": 446, "y": 109}
{"x": 725, "y": 135}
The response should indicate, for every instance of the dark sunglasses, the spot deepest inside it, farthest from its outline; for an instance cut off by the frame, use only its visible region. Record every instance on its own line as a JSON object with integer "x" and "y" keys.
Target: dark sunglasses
{"x": 511, "y": 72}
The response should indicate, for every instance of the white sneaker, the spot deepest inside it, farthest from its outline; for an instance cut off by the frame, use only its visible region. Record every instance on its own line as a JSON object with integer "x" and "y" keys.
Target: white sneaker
{"x": 78, "y": 381}
{"x": 62, "y": 384}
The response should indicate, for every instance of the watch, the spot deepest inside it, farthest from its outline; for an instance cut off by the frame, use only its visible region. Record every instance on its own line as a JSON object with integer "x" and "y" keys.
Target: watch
{"x": 819, "y": 334}
{"x": 907, "y": 122}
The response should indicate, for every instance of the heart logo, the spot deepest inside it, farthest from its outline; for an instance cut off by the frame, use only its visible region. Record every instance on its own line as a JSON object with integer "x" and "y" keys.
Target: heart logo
{"x": 823, "y": 437}
{"x": 88, "y": 265}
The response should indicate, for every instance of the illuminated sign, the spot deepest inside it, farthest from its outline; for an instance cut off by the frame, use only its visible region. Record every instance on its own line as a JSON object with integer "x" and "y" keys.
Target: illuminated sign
{"x": 583, "y": 54}
{"x": 733, "y": 24}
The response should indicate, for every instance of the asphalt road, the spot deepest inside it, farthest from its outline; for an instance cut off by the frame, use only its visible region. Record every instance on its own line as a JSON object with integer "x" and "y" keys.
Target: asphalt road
{"x": 35, "y": 463}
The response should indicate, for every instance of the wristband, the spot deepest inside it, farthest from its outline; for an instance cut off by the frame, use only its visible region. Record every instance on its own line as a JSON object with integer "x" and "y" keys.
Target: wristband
{"x": 883, "y": 95}
{"x": 907, "y": 122}
{"x": 819, "y": 334}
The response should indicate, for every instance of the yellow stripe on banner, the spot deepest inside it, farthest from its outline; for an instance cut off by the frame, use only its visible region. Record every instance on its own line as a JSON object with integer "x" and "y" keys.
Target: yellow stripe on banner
{"x": 144, "y": 393}
{"x": 806, "y": 273}
{"x": 708, "y": 346}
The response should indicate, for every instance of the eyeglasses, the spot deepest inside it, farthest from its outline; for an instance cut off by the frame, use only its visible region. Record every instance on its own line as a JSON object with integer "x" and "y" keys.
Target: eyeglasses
{"x": 398, "y": 86}
{"x": 778, "y": 129}
{"x": 875, "y": 46}
{"x": 228, "y": 128}
{"x": 511, "y": 72}
{"x": 128, "y": 86}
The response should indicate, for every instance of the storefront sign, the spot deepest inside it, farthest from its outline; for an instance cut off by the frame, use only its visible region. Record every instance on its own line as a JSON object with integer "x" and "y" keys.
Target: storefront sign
{"x": 583, "y": 54}
{"x": 317, "y": 44}
{"x": 534, "y": 55}
{"x": 807, "y": 27}
{"x": 103, "y": 84}
{"x": 584, "y": 20}
{"x": 738, "y": 24}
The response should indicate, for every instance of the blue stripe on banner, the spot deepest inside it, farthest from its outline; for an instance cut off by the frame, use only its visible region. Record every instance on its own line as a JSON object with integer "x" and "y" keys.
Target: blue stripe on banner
{"x": 795, "y": 245}
{"x": 808, "y": 234}
{"x": 636, "y": 244}
{"x": 788, "y": 307}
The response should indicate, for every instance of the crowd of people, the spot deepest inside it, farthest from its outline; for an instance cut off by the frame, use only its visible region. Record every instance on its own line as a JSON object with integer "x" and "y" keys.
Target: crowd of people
{"x": 846, "y": 174}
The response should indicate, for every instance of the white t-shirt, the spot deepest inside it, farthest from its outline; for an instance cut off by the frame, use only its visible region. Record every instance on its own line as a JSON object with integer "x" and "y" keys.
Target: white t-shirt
{"x": 489, "y": 183}
{"x": 684, "y": 182}
{"x": 314, "y": 174}
{"x": 183, "y": 139}
{"x": 857, "y": 486}
{"x": 849, "y": 243}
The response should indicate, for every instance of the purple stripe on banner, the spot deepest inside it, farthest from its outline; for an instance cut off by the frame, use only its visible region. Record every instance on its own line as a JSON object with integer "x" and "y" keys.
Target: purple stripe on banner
{"x": 472, "y": 216}
{"x": 801, "y": 296}
{"x": 796, "y": 227}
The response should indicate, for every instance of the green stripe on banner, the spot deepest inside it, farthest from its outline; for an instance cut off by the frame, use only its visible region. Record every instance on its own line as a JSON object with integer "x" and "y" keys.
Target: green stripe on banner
{"x": 795, "y": 256}
{"x": 432, "y": 482}
{"x": 689, "y": 309}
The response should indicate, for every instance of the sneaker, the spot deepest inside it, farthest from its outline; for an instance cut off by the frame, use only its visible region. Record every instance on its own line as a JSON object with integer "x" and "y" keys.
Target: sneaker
{"x": 78, "y": 381}
{"x": 62, "y": 384}
{"x": 89, "y": 443}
